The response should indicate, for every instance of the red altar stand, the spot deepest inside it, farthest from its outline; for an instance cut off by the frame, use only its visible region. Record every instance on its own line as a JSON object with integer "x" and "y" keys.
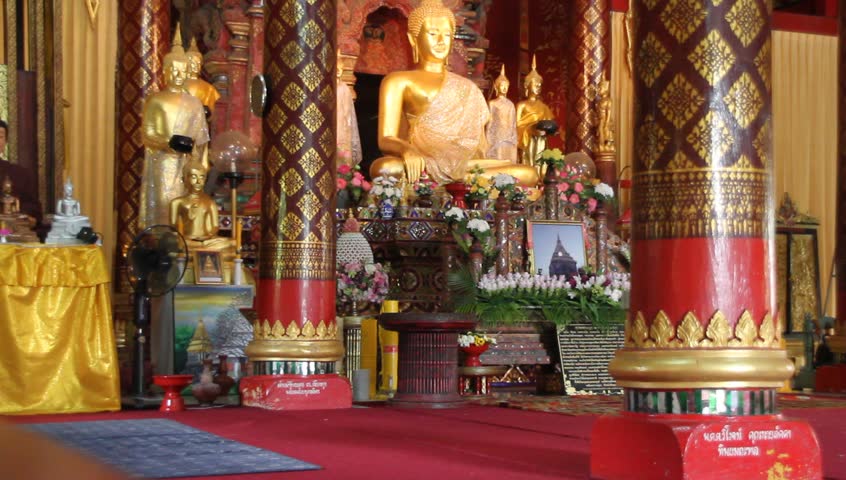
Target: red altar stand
{"x": 428, "y": 358}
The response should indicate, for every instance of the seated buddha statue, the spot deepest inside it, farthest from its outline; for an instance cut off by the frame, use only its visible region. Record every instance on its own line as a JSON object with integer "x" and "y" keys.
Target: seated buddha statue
{"x": 195, "y": 213}
{"x": 530, "y": 141}
{"x": 9, "y": 204}
{"x": 171, "y": 112}
{"x": 68, "y": 220}
{"x": 12, "y": 218}
{"x": 433, "y": 119}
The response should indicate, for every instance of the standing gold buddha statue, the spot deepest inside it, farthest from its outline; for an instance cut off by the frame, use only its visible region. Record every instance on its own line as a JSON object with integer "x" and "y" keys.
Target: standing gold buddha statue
{"x": 530, "y": 111}
{"x": 502, "y": 129}
{"x": 195, "y": 85}
{"x": 433, "y": 119}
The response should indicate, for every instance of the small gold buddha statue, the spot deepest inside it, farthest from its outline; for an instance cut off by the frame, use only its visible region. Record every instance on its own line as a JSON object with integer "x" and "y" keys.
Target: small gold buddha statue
{"x": 348, "y": 139}
{"x": 195, "y": 213}
{"x": 502, "y": 129}
{"x": 9, "y": 204}
{"x": 605, "y": 129}
{"x": 168, "y": 113}
{"x": 530, "y": 111}
{"x": 195, "y": 85}
{"x": 433, "y": 119}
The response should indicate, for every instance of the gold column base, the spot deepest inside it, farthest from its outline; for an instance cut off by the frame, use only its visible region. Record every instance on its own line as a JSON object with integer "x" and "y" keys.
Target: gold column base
{"x": 701, "y": 368}
{"x": 837, "y": 343}
{"x": 295, "y": 350}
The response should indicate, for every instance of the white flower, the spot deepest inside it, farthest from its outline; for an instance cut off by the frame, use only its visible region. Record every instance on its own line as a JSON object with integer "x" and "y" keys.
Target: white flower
{"x": 478, "y": 225}
{"x": 455, "y": 213}
{"x": 605, "y": 190}
{"x": 502, "y": 180}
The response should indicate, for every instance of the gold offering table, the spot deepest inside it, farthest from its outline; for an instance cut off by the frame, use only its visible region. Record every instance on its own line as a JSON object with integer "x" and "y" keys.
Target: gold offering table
{"x": 57, "y": 347}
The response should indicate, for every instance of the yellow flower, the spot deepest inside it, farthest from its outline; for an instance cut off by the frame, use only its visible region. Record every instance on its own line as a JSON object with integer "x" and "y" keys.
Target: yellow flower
{"x": 480, "y": 341}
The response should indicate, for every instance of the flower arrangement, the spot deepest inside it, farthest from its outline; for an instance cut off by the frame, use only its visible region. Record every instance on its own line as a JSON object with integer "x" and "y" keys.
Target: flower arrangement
{"x": 480, "y": 185}
{"x": 386, "y": 189}
{"x": 584, "y": 193}
{"x": 475, "y": 338}
{"x": 424, "y": 186}
{"x": 552, "y": 157}
{"x": 351, "y": 181}
{"x": 466, "y": 229}
{"x": 498, "y": 299}
{"x": 360, "y": 282}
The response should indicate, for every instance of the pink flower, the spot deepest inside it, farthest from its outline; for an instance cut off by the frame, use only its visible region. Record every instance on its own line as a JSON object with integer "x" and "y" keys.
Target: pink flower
{"x": 341, "y": 183}
{"x": 562, "y": 187}
{"x": 356, "y": 182}
{"x": 574, "y": 199}
{"x": 578, "y": 187}
{"x": 591, "y": 203}
{"x": 344, "y": 169}
{"x": 366, "y": 185}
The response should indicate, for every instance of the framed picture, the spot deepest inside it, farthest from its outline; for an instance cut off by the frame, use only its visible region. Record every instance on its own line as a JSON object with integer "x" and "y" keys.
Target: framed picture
{"x": 557, "y": 248}
{"x": 208, "y": 267}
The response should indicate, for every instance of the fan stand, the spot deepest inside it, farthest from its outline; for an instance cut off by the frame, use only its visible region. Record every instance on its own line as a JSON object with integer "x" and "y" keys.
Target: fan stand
{"x": 138, "y": 397}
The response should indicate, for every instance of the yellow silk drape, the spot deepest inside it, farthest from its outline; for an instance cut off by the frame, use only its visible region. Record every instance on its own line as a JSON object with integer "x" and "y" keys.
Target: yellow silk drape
{"x": 805, "y": 132}
{"x": 622, "y": 94}
{"x": 57, "y": 347}
{"x": 89, "y": 56}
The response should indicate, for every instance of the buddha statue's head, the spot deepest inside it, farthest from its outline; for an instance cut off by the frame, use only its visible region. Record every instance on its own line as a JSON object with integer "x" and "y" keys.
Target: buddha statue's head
{"x": 175, "y": 63}
{"x": 533, "y": 81}
{"x": 501, "y": 83}
{"x": 430, "y": 29}
{"x": 195, "y": 60}
{"x": 194, "y": 176}
{"x": 68, "y": 189}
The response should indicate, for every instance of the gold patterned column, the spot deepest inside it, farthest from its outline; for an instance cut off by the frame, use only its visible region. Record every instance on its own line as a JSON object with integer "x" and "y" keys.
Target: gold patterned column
{"x": 702, "y": 358}
{"x": 588, "y": 64}
{"x": 143, "y": 40}
{"x": 295, "y": 330}
{"x": 838, "y": 342}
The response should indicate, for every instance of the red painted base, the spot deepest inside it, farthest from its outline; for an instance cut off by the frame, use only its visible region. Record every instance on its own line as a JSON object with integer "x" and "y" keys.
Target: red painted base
{"x": 296, "y": 392}
{"x": 694, "y": 447}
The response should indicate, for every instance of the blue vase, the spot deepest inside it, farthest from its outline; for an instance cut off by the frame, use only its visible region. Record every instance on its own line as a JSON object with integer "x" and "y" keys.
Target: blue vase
{"x": 387, "y": 210}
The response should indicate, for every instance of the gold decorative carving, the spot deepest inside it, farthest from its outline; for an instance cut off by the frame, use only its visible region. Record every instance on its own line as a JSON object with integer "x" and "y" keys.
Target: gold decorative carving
{"x": 293, "y": 139}
{"x": 93, "y": 7}
{"x": 762, "y": 63}
{"x": 311, "y": 76}
{"x": 652, "y": 59}
{"x": 291, "y": 182}
{"x": 311, "y": 162}
{"x": 312, "y": 118}
{"x": 293, "y": 96}
{"x": 682, "y": 17}
{"x": 711, "y": 138}
{"x": 680, "y": 101}
{"x": 712, "y": 58}
{"x": 743, "y": 100}
{"x": 262, "y": 330}
{"x": 309, "y": 205}
{"x": 745, "y": 20}
{"x": 691, "y": 334}
{"x": 309, "y": 260}
{"x": 651, "y": 141}
{"x": 292, "y": 54}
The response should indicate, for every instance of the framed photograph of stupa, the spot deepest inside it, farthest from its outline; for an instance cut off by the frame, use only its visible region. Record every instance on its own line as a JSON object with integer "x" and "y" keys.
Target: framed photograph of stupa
{"x": 556, "y": 248}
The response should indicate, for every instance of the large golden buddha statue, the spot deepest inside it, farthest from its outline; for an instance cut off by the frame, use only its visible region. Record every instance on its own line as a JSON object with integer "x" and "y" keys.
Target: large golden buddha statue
{"x": 530, "y": 111}
{"x": 195, "y": 213}
{"x": 433, "y": 119}
{"x": 195, "y": 85}
{"x": 169, "y": 113}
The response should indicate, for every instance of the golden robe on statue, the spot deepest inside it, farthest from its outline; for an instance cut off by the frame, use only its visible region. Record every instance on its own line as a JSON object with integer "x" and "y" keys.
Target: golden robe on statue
{"x": 161, "y": 180}
{"x": 502, "y": 130}
{"x": 451, "y": 131}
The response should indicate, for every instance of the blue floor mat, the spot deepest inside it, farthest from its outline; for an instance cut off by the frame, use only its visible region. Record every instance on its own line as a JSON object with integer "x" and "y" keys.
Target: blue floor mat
{"x": 158, "y": 448}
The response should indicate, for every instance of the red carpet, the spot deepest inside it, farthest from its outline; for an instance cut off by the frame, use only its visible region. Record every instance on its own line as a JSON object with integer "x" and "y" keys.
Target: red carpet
{"x": 475, "y": 442}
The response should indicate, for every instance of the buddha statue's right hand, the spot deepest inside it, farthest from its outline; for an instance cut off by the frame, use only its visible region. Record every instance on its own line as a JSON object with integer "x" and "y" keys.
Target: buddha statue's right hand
{"x": 414, "y": 165}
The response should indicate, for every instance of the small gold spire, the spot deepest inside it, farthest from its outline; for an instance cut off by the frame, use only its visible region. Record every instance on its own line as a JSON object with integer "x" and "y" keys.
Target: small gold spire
{"x": 534, "y": 75}
{"x": 177, "y": 46}
{"x": 193, "y": 47}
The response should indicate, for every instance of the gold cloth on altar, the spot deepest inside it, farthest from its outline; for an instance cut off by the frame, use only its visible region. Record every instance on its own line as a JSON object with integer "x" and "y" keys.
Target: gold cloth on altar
{"x": 161, "y": 179}
{"x": 452, "y": 129}
{"x": 57, "y": 346}
{"x": 502, "y": 130}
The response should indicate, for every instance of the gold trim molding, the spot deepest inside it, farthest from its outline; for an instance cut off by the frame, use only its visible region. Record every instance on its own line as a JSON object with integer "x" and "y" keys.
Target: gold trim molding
{"x": 295, "y": 343}
{"x": 263, "y": 330}
{"x": 690, "y": 333}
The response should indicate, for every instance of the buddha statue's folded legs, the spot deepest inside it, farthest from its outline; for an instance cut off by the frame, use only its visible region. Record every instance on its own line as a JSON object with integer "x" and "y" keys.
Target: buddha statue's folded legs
{"x": 527, "y": 176}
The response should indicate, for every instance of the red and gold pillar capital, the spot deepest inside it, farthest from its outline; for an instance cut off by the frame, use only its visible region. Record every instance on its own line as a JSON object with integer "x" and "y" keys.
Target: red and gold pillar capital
{"x": 702, "y": 359}
{"x": 295, "y": 330}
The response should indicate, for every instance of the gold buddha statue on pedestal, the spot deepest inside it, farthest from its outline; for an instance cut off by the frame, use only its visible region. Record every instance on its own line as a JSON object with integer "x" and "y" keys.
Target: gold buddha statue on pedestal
{"x": 433, "y": 119}
{"x": 502, "y": 129}
{"x": 195, "y": 214}
{"x": 12, "y": 218}
{"x": 530, "y": 111}
{"x": 196, "y": 86}
{"x": 9, "y": 204}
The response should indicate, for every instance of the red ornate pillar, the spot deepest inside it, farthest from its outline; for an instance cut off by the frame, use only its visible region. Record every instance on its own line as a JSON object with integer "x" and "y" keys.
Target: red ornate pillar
{"x": 703, "y": 357}
{"x": 838, "y": 342}
{"x": 296, "y": 341}
{"x": 589, "y": 62}
{"x": 256, "y": 62}
{"x": 143, "y": 41}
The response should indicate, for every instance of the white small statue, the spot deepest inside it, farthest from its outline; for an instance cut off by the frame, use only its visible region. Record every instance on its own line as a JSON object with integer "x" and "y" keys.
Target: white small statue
{"x": 68, "y": 220}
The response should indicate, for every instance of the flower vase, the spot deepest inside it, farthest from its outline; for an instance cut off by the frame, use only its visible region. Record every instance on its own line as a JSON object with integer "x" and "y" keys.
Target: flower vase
{"x": 458, "y": 191}
{"x": 472, "y": 353}
{"x": 222, "y": 378}
{"x": 424, "y": 201}
{"x": 386, "y": 210}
